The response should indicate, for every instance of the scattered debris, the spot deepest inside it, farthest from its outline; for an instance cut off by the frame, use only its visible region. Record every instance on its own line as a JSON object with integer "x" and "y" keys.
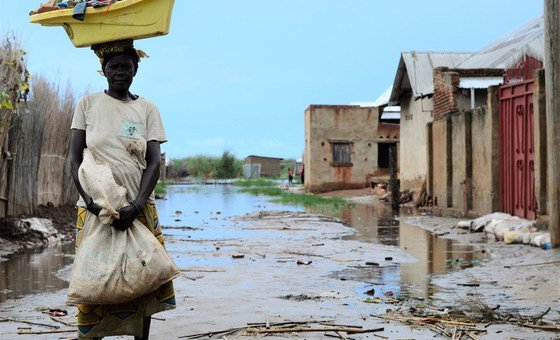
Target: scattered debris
{"x": 308, "y": 262}
{"x": 467, "y": 320}
{"x": 286, "y": 327}
{"x": 29, "y": 331}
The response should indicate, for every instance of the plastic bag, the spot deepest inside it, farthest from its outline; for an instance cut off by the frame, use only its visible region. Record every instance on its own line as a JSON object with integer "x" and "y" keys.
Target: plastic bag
{"x": 114, "y": 266}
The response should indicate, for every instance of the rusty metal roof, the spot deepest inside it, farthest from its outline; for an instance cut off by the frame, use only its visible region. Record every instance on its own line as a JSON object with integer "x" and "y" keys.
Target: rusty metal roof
{"x": 415, "y": 71}
{"x": 527, "y": 39}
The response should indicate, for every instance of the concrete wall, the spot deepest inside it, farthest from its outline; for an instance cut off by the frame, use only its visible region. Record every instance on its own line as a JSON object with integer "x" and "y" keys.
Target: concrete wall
{"x": 466, "y": 148}
{"x": 539, "y": 116}
{"x": 441, "y": 164}
{"x": 461, "y": 156}
{"x": 415, "y": 114}
{"x": 485, "y": 156}
{"x": 358, "y": 125}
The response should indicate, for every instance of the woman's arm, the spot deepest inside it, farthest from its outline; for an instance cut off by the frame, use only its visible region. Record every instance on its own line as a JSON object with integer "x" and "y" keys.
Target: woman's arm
{"x": 76, "y": 152}
{"x": 147, "y": 184}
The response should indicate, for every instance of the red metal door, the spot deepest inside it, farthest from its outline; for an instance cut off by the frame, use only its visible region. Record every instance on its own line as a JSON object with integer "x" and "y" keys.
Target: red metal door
{"x": 517, "y": 150}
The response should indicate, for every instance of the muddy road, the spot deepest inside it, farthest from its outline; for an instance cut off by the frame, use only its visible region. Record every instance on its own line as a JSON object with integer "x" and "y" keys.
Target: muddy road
{"x": 247, "y": 261}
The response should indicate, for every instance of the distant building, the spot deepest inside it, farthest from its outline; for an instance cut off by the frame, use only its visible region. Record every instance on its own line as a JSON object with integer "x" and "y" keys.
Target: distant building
{"x": 269, "y": 166}
{"x": 346, "y": 146}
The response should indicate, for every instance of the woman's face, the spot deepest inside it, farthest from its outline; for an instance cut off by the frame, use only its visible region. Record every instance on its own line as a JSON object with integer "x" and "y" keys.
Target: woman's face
{"x": 119, "y": 71}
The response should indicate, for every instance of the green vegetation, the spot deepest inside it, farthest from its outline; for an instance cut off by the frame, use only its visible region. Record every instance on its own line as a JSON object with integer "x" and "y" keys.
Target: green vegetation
{"x": 201, "y": 166}
{"x": 254, "y": 182}
{"x": 161, "y": 188}
{"x": 281, "y": 196}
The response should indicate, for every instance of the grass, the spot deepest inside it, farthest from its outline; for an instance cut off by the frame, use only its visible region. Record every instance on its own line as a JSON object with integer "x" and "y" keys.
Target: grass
{"x": 258, "y": 182}
{"x": 161, "y": 187}
{"x": 307, "y": 200}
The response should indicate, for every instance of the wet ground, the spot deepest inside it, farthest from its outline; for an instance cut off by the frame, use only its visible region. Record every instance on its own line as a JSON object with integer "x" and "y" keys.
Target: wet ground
{"x": 341, "y": 255}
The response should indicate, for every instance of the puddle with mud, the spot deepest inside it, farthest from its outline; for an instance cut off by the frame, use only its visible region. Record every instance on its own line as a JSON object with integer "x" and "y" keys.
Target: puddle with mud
{"x": 34, "y": 272}
{"x": 436, "y": 255}
{"x": 201, "y": 212}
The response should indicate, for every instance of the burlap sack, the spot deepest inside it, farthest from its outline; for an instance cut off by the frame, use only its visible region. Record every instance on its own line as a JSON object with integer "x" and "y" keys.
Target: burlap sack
{"x": 113, "y": 266}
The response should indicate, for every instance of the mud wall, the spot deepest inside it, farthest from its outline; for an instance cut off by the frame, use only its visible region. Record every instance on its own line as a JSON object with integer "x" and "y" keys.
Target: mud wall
{"x": 461, "y": 157}
{"x": 485, "y": 156}
{"x": 539, "y": 116}
{"x": 466, "y": 156}
{"x": 441, "y": 163}
{"x": 326, "y": 125}
{"x": 415, "y": 114}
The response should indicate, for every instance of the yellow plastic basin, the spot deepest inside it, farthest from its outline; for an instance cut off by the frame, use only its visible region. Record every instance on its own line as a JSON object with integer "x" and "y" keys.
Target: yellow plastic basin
{"x": 125, "y": 19}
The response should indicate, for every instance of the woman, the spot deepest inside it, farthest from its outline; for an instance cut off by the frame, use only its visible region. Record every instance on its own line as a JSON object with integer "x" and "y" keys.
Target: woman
{"x": 125, "y": 131}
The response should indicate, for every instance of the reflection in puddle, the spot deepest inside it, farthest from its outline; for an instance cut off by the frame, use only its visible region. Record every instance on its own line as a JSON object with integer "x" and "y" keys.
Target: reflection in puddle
{"x": 202, "y": 212}
{"x": 34, "y": 272}
{"x": 436, "y": 255}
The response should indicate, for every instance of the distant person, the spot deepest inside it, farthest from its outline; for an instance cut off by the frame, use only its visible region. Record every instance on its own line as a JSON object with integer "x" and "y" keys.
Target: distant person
{"x": 302, "y": 175}
{"x": 290, "y": 176}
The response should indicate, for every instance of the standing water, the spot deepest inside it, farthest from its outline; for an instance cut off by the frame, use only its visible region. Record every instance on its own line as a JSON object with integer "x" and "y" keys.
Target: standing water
{"x": 201, "y": 212}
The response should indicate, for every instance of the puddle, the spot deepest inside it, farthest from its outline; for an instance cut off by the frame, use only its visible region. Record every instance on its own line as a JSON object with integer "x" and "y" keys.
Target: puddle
{"x": 201, "y": 212}
{"x": 34, "y": 272}
{"x": 436, "y": 255}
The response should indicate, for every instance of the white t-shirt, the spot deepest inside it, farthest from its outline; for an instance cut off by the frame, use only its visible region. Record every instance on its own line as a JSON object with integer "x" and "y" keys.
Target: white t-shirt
{"x": 117, "y": 133}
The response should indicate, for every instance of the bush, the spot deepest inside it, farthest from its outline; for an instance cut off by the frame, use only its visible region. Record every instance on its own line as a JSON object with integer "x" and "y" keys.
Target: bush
{"x": 202, "y": 166}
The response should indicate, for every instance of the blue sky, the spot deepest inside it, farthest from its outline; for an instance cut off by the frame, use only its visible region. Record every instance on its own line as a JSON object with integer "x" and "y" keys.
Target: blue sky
{"x": 238, "y": 75}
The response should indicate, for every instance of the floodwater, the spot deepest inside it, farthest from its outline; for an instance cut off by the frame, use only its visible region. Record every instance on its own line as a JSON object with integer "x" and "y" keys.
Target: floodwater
{"x": 201, "y": 212}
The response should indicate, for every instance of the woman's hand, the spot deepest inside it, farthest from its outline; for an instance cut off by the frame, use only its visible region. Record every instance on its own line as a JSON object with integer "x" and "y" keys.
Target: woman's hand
{"x": 93, "y": 208}
{"x": 127, "y": 215}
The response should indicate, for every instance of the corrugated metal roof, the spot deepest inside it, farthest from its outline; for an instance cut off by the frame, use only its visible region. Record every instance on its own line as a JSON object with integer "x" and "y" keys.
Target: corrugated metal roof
{"x": 527, "y": 39}
{"x": 415, "y": 71}
{"x": 479, "y": 82}
{"x": 384, "y": 97}
{"x": 391, "y": 115}
{"x": 392, "y": 109}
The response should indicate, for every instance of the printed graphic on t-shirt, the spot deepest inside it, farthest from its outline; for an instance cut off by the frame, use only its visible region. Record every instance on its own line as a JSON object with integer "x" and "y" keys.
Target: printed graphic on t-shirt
{"x": 131, "y": 129}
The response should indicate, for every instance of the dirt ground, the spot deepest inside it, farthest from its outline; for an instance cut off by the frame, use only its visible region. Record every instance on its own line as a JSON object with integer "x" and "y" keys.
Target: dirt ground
{"x": 301, "y": 268}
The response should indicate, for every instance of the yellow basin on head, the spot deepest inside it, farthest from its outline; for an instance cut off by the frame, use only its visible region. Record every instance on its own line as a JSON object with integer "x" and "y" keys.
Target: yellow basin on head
{"x": 125, "y": 19}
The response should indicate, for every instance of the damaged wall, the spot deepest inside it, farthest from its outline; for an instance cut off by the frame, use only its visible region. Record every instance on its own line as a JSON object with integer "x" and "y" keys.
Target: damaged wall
{"x": 351, "y": 133}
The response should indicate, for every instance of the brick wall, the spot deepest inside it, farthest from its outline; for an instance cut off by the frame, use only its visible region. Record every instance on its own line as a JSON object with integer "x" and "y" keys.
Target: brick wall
{"x": 445, "y": 84}
{"x": 445, "y": 87}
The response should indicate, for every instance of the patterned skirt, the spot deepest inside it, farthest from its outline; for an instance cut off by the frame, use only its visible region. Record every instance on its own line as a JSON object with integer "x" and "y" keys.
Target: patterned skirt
{"x": 96, "y": 321}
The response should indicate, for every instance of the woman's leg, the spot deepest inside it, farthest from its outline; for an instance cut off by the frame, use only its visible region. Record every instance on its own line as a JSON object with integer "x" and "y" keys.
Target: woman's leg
{"x": 145, "y": 330}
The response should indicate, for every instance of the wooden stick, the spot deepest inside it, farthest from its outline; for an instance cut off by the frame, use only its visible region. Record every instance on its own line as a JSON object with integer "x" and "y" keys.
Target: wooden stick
{"x": 341, "y": 336}
{"x": 543, "y": 327}
{"x": 537, "y": 318}
{"x": 338, "y": 325}
{"x": 287, "y": 323}
{"x": 306, "y": 254}
{"x": 308, "y": 330}
{"x": 531, "y": 264}
{"x": 27, "y": 331}
{"x": 209, "y": 334}
{"x": 28, "y": 322}
{"x": 63, "y": 322}
{"x": 472, "y": 336}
